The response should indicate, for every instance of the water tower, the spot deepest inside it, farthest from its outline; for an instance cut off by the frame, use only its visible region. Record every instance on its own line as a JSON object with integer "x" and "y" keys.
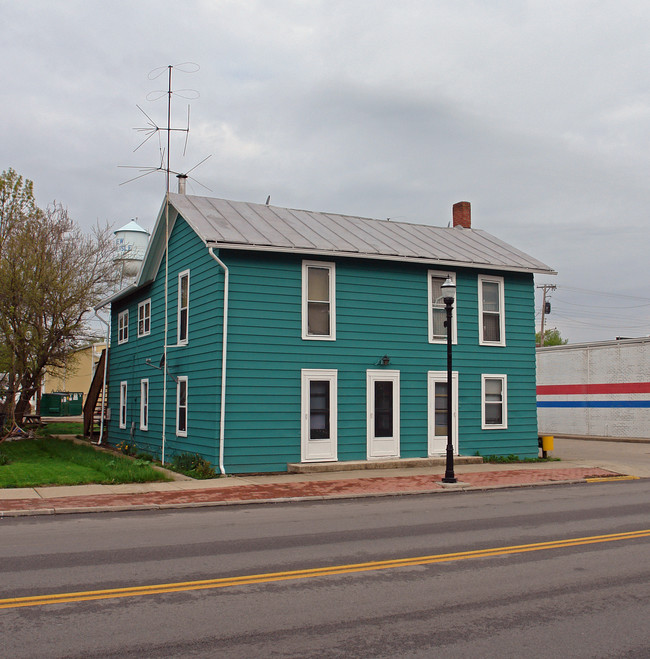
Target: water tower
{"x": 131, "y": 242}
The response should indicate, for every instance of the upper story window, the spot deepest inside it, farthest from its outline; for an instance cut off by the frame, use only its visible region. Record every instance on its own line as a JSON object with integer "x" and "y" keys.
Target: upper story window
{"x": 318, "y": 303}
{"x": 123, "y": 327}
{"x": 494, "y": 394}
{"x": 183, "y": 307}
{"x": 437, "y": 308}
{"x": 144, "y": 318}
{"x": 491, "y": 310}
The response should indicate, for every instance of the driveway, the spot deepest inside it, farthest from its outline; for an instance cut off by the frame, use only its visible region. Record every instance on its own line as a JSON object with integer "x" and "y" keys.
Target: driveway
{"x": 623, "y": 457}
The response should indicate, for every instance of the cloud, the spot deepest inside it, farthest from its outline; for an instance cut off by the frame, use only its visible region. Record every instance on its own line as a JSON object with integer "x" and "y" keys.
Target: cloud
{"x": 536, "y": 112}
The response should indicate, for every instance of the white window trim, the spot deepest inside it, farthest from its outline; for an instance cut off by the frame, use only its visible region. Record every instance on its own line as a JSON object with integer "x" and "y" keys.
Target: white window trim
{"x": 182, "y": 378}
{"x": 144, "y": 404}
{"x": 143, "y": 305}
{"x": 454, "y": 315}
{"x": 305, "y": 302}
{"x": 307, "y": 444}
{"x": 123, "y": 402}
{"x": 123, "y": 327}
{"x": 504, "y": 401}
{"x": 432, "y": 378}
{"x": 185, "y": 341}
{"x": 502, "y": 310}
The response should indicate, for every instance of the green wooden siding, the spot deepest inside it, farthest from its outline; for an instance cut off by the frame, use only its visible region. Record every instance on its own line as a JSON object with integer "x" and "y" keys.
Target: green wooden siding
{"x": 381, "y": 308}
{"x": 198, "y": 360}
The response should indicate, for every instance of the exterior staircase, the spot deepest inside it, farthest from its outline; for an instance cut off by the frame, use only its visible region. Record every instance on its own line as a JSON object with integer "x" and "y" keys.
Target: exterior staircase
{"x": 91, "y": 414}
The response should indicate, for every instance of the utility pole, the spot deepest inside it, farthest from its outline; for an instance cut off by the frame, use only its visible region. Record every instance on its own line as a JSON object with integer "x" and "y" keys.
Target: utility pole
{"x": 545, "y": 288}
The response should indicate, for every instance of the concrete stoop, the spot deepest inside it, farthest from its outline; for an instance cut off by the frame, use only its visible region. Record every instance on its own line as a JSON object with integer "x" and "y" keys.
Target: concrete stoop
{"x": 390, "y": 463}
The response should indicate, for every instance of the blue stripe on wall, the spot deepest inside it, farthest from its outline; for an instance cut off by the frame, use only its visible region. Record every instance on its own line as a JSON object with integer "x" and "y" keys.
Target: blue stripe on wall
{"x": 593, "y": 403}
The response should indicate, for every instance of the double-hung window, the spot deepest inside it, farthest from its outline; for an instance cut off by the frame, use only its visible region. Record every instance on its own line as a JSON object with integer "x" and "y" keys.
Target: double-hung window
{"x": 144, "y": 318}
{"x": 491, "y": 300}
{"x": 438, "y": 310}
{"x": 318, "y": 303}
{"x": 144, "y": 404}
{"x": 181, "y": 406}
{"x": 123, "y": 327}
{"x": 494, "y": 396}
{"x": 183, "y": 307}
{"x": 123, "y": 391}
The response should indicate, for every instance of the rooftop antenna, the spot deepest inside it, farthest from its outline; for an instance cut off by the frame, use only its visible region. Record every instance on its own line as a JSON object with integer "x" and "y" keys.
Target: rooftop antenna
{"x": 150, "y": 130}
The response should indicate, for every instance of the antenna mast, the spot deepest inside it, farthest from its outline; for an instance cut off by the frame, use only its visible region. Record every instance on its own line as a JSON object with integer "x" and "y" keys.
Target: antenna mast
{"x": 150, "y": 130}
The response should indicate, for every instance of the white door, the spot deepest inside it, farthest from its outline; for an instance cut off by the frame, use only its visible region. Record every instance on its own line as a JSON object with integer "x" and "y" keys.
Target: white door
{"x": 438, "y": 412}
{"x": 318, "y": 407}
{"x": 382, "y": 401}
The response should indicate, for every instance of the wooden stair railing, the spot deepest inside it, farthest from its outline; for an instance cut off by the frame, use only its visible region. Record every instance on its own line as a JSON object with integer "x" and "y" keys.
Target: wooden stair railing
{"x": 93, "y": 395}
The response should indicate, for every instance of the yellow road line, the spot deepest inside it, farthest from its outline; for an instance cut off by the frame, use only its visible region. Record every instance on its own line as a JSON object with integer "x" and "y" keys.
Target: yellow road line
{"x": 135, "y": 591}
{"x": 604, "y": 479}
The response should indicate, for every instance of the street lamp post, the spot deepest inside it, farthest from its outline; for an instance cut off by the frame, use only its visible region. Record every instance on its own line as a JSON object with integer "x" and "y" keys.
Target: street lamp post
{"x": 448, "y": 291}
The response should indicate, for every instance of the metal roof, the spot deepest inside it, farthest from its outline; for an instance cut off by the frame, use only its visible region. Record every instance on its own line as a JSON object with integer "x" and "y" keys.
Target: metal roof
{"x": 241, "y": 225}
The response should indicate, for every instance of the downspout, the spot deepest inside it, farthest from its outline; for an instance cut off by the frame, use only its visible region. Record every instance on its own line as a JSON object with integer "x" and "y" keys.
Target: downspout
{"x": 224, "y": 352}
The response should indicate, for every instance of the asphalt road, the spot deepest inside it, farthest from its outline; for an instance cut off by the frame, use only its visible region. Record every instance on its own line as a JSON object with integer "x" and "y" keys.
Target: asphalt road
{"x": 511, "y": 598}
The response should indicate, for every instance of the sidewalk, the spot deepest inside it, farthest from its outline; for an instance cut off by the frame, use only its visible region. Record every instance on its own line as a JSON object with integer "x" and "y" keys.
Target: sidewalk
{"x": 290, "y": 487}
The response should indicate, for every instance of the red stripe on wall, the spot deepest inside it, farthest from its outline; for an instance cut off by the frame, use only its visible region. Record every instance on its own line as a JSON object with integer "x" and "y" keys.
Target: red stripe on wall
{"x": 607, "y": 388}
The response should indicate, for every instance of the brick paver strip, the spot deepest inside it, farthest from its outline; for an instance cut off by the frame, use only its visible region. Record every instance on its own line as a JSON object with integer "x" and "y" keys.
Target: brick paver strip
{"x": 350, "y": 486}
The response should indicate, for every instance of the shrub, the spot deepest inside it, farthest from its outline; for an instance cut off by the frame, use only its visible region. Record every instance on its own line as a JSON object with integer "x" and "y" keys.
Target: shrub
{"x": 127, "y": 448}
{"x": 192, "y": 464}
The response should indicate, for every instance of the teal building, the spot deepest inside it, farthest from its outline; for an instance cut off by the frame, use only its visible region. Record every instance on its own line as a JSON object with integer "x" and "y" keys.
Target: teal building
{"x": 260, "y": 336}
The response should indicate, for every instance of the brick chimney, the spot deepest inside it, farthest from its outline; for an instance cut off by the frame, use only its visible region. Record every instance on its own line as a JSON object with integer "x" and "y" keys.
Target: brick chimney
{"x": 462, "y": 214}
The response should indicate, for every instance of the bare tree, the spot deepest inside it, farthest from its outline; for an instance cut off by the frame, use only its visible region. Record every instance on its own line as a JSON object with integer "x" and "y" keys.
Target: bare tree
{"x": 50, "y": 274}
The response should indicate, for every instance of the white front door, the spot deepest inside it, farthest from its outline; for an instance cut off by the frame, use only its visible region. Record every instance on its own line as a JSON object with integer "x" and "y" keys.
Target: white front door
{"x": 437, "y": 385}
{"x": 318, "y": 408}
{"x": 382, "y": 401}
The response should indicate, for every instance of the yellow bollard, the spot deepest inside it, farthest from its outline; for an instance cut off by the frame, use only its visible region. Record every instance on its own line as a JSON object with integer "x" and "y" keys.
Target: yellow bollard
{"x": 547, "y": 442}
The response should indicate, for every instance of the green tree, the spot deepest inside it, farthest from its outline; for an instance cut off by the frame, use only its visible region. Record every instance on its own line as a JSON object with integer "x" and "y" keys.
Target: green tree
{"x": 51, "y": 273}
{"x": 551, "y": 338}
{"x": 17, "y": 203}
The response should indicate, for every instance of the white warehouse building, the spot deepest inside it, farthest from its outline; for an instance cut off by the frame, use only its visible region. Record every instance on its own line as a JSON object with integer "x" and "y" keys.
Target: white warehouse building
{"x": 595, "y": 389}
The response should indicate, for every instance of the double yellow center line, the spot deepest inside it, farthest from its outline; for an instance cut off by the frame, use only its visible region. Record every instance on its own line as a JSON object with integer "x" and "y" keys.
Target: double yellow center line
{"x": 227, "y": 582}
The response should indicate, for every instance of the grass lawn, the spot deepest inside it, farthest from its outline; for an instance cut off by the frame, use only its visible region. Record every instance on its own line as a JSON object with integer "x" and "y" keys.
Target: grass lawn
{"x": 53, "y": 461}
{"x": 62, "y": 428}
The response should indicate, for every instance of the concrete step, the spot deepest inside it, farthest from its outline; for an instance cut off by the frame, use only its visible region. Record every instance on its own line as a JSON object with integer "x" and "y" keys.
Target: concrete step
{"x": 391, "y": 463}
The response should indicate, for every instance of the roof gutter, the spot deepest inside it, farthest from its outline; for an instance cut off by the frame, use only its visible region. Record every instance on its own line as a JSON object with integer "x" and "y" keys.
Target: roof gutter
{"x": 540, "y": 268}
{"x": 224, "y": 353}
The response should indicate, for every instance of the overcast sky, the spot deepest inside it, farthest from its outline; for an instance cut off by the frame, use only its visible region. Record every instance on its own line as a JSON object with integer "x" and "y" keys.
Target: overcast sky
{"x": 538, "y": 113}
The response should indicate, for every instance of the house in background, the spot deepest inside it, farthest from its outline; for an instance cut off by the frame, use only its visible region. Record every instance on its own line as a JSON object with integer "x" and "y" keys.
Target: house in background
{"x": 77, "y": 372}
{"x": 294, "y": 336}
{"x": 599, "y": 389}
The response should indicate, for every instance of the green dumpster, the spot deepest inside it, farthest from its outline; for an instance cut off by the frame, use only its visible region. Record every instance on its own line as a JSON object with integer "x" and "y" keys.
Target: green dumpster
{"x": 62, "y": 403}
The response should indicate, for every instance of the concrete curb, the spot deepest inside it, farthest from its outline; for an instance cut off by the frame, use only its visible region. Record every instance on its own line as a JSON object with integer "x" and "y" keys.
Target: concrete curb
{"x": 138, "y": 507}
